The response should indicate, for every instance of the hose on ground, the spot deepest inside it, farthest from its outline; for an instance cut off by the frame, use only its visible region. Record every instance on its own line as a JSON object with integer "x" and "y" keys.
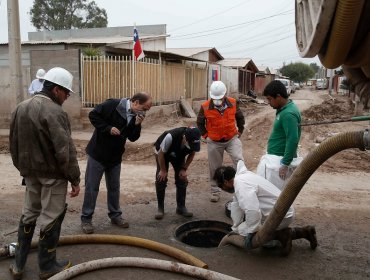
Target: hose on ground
{"x": 123, "y": 240}
{"x": 331, "y": 146}
{"x": 192, "y": 271}
{"x": 133, "y": 241}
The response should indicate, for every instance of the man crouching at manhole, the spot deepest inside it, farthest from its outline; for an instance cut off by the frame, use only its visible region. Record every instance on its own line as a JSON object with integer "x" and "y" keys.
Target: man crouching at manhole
{"x": 254, "y": 199}
{"x": 173, "y": 146}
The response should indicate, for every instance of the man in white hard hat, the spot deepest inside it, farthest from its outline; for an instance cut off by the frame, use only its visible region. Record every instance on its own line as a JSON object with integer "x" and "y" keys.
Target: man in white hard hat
{"x": 221, "y": 123}
{"x": 36, "y": 84}
{"x": 43, "y": 151}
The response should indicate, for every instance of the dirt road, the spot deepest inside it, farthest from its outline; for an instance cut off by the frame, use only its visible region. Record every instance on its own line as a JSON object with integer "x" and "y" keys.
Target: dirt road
{"x": 335, "y": 199}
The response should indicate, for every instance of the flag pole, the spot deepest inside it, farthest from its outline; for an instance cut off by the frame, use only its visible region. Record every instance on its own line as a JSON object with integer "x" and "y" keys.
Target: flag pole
{"x": 133, "y": 66}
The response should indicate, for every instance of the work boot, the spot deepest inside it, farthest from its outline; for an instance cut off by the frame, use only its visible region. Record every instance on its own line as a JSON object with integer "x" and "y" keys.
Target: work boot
{"x": 234, "y": 239}
{"x": 160, "y": 198}
{"x": 48, "y": 242}
{"x": 307, "y": 232}
{"x": 180, "y": 200}
{"x": 25, "y": 233}
{"x": 284, "y": 236}
{"x": 120, "y": 222}
{"x": 87, "y": 227}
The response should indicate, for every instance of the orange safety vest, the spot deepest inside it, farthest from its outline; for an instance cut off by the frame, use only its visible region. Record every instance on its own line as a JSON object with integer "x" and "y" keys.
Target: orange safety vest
{"x": 220, "y": 126}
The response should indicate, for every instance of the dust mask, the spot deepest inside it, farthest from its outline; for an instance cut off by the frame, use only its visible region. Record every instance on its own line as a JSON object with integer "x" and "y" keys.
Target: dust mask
{"x": 217, "y": 102}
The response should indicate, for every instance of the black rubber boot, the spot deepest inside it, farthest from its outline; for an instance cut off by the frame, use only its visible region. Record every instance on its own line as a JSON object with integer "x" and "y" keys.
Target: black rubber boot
{"x": 161, "y": 192}
{"x": 25, "y": 233}
{"x": 180, "y": 199}
{"x": 308, "y": 232}
{"x": 284, "y": 236}
{"x": 48, "y": 242}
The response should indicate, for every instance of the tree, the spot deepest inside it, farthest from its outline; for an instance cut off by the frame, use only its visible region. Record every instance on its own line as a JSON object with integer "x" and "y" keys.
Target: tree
{"x": 314, "y": 67}
{"x": 298, "y": 72}
{"x": 67, "y": 14}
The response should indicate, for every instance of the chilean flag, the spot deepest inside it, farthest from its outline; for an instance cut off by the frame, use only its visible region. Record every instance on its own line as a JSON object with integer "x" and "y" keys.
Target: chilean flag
{"x": 138, "y": 51}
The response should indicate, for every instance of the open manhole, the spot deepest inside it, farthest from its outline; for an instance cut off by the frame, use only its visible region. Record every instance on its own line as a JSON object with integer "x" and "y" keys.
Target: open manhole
{"x": 203, "y": 233}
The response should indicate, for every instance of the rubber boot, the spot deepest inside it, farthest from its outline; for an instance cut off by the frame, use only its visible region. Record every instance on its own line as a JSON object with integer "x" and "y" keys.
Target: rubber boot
{"x": 308, "y": 232}
{"x": 180, "y": 199}
{"x": 48, "y": 242}
{"x": 25, "y": 233}
{"x": 284, "y": 236}
{"x": 235, "y": 239}
{"x": 161, "y": 192}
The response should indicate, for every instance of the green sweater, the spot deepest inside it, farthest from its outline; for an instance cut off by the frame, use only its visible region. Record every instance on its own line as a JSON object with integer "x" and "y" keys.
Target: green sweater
{"x": 285, "y": 134}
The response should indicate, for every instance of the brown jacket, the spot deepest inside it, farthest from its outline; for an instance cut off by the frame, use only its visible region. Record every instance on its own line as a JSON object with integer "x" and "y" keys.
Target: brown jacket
{"x": 40, "y": 141}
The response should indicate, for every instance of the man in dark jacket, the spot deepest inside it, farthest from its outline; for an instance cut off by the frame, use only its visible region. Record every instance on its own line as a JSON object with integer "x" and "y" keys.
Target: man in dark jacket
{"x": 173, "y": 146}
{"x": 42, "y": 150}
{"x": 115, "y": 120}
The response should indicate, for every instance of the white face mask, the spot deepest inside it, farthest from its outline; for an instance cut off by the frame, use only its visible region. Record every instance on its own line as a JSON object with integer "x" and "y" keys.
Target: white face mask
{"x": 217, "y": 102}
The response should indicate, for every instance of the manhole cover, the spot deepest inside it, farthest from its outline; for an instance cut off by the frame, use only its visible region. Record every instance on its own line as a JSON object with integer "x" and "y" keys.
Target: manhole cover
{"x": 204, "y": 233}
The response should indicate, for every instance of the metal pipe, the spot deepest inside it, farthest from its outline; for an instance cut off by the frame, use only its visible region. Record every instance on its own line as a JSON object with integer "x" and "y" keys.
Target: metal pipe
{"x": 353, "y": 119}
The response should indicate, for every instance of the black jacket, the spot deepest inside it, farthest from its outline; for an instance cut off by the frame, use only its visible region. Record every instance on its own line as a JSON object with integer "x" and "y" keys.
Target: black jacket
{"x": 104, "y": 147}
{"x": 175, "y": 151}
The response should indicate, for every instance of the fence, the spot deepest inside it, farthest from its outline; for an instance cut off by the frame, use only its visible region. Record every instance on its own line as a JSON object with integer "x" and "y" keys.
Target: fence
{"x": 120, "y": 77}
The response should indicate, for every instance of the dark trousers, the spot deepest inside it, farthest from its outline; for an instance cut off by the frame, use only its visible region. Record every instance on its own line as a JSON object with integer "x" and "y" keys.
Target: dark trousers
{"x": 176, "y": 163}
{"x": 93, "y": 176}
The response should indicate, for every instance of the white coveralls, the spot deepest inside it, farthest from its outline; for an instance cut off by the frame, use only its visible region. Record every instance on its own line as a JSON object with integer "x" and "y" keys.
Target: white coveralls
{"x": 253, "y": 201}
{"x": 268, "y": 168}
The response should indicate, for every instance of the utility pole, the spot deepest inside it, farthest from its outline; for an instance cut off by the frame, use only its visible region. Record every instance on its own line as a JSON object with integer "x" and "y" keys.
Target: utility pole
{"x": 14, "y": 46}
{"x": 331, "y": 72}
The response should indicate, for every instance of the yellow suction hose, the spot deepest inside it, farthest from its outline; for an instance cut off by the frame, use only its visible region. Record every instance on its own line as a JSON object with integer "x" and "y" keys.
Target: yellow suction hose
{"x": 346, "y": 19}
{"x": 328, "y": 148}
{"x": 131, "y": 241}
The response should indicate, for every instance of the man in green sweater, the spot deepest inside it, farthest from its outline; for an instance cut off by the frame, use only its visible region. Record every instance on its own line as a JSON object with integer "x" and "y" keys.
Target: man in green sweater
{"x": 281, "y": 158}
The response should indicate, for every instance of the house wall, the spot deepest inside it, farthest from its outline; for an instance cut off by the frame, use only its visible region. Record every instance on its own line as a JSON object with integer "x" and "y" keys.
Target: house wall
{"x": 70, "y": 60}
{"x": 25, "y": 56}
{"x": 202, "y": 56}
{"x": 8, "y": 98}
{"x": 230, "y": 78}
{"x": 213, "y": 57}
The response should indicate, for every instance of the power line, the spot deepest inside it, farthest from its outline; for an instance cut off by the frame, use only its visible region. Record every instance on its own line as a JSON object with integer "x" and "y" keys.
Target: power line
{"x": 253, "y": 38}
{"x": 211, "y": 16}
{"x": 231, "y": 27}
{"x": 261, "y": 46}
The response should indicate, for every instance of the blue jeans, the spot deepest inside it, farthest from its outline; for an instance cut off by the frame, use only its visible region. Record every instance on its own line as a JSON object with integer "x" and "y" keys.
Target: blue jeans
{"x": 93, "y": 175}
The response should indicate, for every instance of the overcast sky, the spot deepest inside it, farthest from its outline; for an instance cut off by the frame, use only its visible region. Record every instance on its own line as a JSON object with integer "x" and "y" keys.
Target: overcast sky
{"x": 259, "y": 29}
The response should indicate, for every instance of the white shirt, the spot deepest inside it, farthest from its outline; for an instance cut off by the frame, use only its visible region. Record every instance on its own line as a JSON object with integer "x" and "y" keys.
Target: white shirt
{"x": 254, "y": 197}
{"x": 35, "y": 86}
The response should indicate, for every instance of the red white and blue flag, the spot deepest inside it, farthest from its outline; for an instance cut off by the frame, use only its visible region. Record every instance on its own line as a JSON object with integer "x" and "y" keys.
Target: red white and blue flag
{"x": 138, "y": 51}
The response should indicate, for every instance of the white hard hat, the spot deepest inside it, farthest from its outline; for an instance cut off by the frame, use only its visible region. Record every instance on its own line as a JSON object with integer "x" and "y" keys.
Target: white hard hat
{"x": 60, "y": 76}
{"x": 218, "y": 90}
{"x": 40, "y": 74}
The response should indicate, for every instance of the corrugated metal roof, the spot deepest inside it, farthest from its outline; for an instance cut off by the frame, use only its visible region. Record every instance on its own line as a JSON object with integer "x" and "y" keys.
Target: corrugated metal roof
{"x": 263, "y": 69}
{"x": 234, "y": 62}
{"x": 187, "y": 51}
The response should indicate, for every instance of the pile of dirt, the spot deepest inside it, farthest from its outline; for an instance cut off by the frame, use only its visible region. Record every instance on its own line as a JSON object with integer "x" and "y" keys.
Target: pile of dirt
{"x": 335, "y": 108}
{"x": 339, "y": 107}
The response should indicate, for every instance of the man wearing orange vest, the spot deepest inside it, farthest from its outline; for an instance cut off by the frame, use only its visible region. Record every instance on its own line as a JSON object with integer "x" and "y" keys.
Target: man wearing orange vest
{"x": 221, "y": 123}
